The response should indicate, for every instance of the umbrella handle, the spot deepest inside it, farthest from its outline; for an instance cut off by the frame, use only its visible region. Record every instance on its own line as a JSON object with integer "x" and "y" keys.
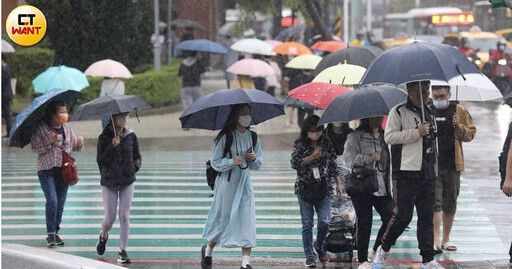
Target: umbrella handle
{"x": 422, "y": 105}
{"x": 113, "y": 125}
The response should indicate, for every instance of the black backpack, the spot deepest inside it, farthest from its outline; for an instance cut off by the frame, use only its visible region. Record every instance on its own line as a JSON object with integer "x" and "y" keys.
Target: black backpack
{"x": 504, "y": 154}
{"x": 211, "y": 174}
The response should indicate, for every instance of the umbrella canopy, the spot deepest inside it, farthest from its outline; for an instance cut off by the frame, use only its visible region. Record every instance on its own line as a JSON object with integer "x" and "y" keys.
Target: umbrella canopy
{"x": 109, "y": 105}
{"x": 210, "y": 112}
{"x": 184, "y": 23}
{"x": 329, "y": 46}
{"x": 252, "y": 46}
{"x": 28, "y": 119}
{"x": 365, "y": 102}
{"x": 307, "y": 61}
{"x": 292, "y": 102}
{"x": 251, "y": 67}
{"x": 471, "y": 87}
{"x": 60, "y": 77}
{"x": 292, "y": 32}
{"x": 273, "y": 43}
{"x": 291, "y": 48}
{"x": 227, "y": 29}
{"x": 7, "y": 47}
{"x": 418, "y": 61}
{"x": 317, "y": 93}
{"x": 108, "y": 68}
{"x": 202, "y": 45}
{"x": 362, "y": 56}
{"x": 344, "y": 74}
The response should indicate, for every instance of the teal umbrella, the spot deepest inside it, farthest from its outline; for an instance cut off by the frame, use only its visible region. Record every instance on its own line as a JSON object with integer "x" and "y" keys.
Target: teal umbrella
{"x": 61, "y": 77}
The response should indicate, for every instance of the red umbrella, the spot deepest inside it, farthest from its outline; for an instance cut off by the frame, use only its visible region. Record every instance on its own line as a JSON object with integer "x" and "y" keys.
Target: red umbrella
{"x": 318, "y": 94}
{"x": 329, "y": 46}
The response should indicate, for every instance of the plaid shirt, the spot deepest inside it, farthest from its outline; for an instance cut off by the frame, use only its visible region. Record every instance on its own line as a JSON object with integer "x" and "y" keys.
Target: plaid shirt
{"x": 326, "y": 164}
{"x": 49, "y": 155}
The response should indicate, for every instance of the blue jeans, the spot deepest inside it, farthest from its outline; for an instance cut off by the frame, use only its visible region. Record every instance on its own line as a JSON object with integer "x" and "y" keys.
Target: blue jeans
{"x": 55, "y": 191}
{"x": 323, "y": 210}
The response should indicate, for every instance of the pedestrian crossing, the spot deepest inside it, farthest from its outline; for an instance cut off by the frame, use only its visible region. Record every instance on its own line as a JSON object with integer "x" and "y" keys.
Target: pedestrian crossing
{"x": 171, "y": 204}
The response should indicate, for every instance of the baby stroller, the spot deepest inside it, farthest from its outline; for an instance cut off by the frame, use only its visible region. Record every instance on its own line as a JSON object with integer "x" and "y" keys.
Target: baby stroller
{"x": 343, "y": 227}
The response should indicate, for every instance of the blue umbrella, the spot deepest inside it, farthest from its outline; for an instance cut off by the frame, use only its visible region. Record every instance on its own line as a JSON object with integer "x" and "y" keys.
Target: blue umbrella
{"x": 60, "y": 77}
{"x": 27, "y": 120}
{"x": 202, "y": 45}
{"x": 365, "y": 102}
{"x": 211, "y": 112}
{"x": 418, "y": 61}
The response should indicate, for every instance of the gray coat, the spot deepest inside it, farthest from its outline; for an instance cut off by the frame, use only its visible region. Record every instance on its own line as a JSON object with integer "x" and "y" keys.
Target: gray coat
{"x": 359, "y": 150}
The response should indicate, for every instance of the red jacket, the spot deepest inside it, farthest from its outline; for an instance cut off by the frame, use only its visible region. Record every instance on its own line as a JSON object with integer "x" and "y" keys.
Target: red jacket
{"x": 497, "y": 55}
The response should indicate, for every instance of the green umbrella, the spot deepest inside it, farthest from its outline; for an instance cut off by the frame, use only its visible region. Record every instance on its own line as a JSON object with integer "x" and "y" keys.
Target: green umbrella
{"x": 61, "y": 77}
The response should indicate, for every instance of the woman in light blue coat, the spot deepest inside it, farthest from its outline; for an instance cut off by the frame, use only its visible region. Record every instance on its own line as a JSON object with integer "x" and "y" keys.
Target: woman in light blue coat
{"x": 232, "y": 218}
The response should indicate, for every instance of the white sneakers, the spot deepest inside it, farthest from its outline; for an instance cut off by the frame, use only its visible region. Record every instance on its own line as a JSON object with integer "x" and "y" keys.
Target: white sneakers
{"x": 432, "y": 265}
{"x": 365, "y": 265}
{"x": 380, "y": 258}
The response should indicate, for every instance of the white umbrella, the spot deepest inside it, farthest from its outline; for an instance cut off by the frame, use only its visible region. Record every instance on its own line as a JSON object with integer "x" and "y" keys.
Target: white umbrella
{"x": 7, "y": 47}
{"x": 471, "y": 87}
{"x": 108, "y": 68}
{"x": 252, "y": 46}
{"x": 306, "y": 61}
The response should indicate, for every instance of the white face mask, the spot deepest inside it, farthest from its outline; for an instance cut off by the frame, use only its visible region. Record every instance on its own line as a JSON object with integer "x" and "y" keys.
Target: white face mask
{"x": 440, "y": 103}
{"x": 245, "y": 121}
{"x": 121, "y": 121}
{"x": 314, "y": 136}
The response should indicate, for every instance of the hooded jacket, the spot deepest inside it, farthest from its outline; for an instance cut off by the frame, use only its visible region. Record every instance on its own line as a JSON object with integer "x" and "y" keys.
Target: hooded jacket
{"x": 405, "y": 140}
{"x": 118, "y": 165}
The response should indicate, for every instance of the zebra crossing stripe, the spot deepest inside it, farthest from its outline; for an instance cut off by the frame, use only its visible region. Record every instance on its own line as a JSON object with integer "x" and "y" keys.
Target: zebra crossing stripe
{"x": 171, "y": 204}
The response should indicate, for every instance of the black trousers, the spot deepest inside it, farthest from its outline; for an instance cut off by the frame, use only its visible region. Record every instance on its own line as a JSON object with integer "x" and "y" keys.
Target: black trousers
{"x": 409, "y": 192}
{"x": 6, "y": 115}
{"x": 364, "y": 211}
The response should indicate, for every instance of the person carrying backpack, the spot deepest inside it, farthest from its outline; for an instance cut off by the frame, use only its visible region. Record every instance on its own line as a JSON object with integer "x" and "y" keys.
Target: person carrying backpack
{"x": 232, "y": 218}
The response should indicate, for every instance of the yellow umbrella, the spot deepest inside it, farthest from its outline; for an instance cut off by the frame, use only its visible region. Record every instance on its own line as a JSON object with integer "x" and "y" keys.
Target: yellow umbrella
{"x": 307, "y": 61}
{"x": 343, "y": 74}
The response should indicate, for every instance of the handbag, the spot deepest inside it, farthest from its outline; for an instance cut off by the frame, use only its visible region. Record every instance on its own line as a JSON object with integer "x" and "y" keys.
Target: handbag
{"x": 69, "y": 169}
{"x": 362, "y": 181}
{"x": 314, "y": 191}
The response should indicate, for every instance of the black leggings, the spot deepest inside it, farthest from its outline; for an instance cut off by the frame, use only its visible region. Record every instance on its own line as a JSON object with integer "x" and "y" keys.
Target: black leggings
{"x": 363, "y": 205}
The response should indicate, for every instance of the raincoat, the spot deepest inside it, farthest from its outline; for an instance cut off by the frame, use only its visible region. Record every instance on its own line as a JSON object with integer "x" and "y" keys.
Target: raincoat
{"x": 232, "y": 218}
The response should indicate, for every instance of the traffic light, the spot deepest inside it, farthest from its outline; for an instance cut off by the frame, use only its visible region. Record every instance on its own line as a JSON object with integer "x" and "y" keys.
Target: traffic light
{"x": 498, "y": 3}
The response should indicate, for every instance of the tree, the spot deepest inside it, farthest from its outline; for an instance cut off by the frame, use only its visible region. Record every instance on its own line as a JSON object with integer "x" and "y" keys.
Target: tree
{"x": 84, "y": 31}
{"x": 309, "y": 8}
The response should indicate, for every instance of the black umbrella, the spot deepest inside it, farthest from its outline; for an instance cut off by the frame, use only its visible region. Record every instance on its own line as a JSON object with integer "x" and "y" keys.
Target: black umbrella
{"x": 292, "y": 102}
{"x": 109, "y": 105}
{"x": 210, "y": 112}
{"x": 184, "y": 23}
{"x": 30, "y": 117}
{"x": 365, "y": 102}
{"x": 292, "y": 32}
{"x": 362, "y": 56}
